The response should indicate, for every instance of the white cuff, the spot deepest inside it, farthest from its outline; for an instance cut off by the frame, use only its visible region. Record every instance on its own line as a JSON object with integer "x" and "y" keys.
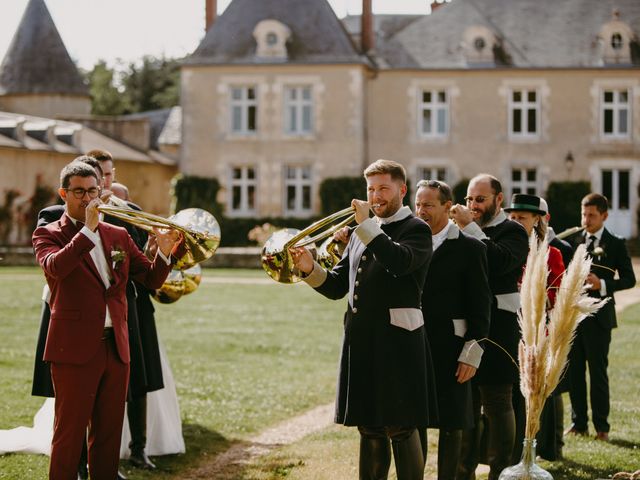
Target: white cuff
{"x": 93, "y": 236}
{"x": 317, "y": 276}
{"x": 368, "y": 230}
{"x": 162, "y": 256}
{"x": 603, "y": 288}
{"x": 471, "y": 353}
{"x": 474, "y": 230}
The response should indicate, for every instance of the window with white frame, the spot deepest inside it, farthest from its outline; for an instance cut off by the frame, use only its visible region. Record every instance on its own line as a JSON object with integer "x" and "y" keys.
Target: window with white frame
{"x": 524, "y": 180}
{"x": 433, "y": 115}
{"x": 242, "y": 200}
{"x": 298, "y": 110}
{"x": 297, "y": 185}
{"x": 524, "y": 113}
{"x": 431, "y": 173}
{"x": 244, "y": 110}
{"x": 615, "y": 112}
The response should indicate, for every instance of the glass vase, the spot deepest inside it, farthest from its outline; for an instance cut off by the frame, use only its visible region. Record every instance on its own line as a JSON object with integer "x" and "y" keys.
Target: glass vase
{"x": 527, "y": 469}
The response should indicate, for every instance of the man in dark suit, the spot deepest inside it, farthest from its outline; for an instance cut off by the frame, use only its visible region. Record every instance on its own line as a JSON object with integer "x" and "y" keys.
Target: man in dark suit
{"x": 507, "y": 249}
{"x": 456, "y": 304}
{"x": 383, "y": 385}
{"x": 87, "y": 264}
{"x": 591, "y": 345}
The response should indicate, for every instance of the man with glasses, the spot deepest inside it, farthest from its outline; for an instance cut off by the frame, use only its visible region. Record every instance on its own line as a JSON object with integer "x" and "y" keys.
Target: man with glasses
{"x": 87, "y": 264}
{"x": 456, "y": 304}
{"x": 507, "y": 249}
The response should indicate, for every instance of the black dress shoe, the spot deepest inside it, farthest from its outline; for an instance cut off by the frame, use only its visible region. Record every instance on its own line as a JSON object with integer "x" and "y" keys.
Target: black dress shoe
{"x": 140, "y": 460}
{"x": 121, "y": 476}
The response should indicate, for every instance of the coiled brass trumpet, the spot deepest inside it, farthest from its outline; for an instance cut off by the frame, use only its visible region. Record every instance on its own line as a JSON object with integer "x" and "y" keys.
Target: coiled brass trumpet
{"x": 201, "y": 233}
{"x": 275, "y": 257}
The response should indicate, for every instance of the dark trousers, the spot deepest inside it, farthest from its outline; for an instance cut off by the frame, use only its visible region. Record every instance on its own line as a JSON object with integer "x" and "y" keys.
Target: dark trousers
{"x": 590, "y": 347}
{"x": 375, "y": 453}
{"x": 90, "y": 394}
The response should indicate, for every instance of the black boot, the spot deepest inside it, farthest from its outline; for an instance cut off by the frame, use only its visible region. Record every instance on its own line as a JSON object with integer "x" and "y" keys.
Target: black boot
{"x": 83, "y": 468}
{"x": 375, "y": 458}
{"x": 423, "y": 442}
{"x": 502, "y": 432}
{"x": 470, "y": 446}
{"x": 449, "y": 446}
{"x": 137, "y": 415}
{"x": 408, "y": 458}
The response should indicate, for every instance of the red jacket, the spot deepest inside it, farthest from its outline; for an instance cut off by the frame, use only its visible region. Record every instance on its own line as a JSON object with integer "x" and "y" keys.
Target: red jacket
{"x": 78, "y": 295}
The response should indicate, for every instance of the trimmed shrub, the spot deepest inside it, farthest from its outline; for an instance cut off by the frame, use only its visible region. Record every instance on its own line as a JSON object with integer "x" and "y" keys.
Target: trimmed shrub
{"x": 337, "y": 193}
{"x": 564, "y": 203}
{"x": 189, "y": 191}
{"x": 460, "y": 191}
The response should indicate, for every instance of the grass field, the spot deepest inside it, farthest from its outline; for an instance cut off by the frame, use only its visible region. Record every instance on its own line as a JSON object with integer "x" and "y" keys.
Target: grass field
{"x": 247, "y": 356}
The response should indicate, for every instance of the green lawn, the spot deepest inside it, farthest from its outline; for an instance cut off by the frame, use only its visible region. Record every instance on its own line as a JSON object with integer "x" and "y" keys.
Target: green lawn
{"x": 244, "y": 356}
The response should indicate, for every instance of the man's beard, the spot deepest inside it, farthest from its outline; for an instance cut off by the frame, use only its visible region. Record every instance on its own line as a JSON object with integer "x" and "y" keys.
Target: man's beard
{"x": 488, "y": 215}
{"x": 390, "y": 209}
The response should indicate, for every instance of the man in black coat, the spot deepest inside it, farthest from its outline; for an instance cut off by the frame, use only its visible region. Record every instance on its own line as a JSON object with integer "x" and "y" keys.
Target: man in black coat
{"x": 591, "y": 345}
{"x": 456, "y": 304}
{"x": 383, "y": 384}
{"x": 507, "y": 249}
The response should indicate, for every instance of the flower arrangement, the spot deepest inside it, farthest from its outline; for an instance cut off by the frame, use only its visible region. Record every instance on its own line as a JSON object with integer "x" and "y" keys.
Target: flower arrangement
{"x": 545, "y": 346}
{"x": 117, "y": 257}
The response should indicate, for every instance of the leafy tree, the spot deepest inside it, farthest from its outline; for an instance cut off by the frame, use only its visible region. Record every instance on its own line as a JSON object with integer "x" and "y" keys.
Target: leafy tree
{"x": 152, "y": 84}
{"x": 106, "y": 99}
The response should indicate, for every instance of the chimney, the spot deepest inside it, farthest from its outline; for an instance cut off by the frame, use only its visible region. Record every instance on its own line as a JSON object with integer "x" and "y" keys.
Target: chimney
{"x": 366, "y": 29}
{"x": 211, "y": 7}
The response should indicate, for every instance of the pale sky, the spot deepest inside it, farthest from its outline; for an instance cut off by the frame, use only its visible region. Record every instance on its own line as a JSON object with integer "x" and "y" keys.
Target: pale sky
{"x": 129, "y": 29}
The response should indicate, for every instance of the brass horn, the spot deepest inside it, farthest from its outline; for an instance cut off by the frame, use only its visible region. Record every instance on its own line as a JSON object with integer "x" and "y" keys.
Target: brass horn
{"x": 568, "y": 232}
{"x": 275, "y": 257}
{"x": 199, "y": 228}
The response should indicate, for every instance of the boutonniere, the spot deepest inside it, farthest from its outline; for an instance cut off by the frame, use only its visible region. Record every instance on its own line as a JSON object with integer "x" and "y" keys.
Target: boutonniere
{"x": 598, "y": 251}
{"x": 117, "y": 257}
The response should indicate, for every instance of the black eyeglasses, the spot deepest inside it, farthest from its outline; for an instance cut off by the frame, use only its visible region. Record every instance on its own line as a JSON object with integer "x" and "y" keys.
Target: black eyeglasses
{"x": 79, "y": 193}
{"x": 478, "y": 199}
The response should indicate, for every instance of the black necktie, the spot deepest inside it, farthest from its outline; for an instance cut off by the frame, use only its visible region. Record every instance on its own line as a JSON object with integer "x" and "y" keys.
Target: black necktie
{"x": 592, "y": 243}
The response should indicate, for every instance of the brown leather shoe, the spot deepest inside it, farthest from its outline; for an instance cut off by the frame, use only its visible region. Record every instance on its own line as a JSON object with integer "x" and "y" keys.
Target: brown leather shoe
{"x": 575, "y": 431}
{"x": 603, "y": 436}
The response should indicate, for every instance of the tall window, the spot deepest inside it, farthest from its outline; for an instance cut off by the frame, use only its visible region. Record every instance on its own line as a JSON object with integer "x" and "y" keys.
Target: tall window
{"x": 615, "y": 186}
{"x": 615, "y": 111}
{"x": 432, "y": 173}
{"x": 243, "y": 191}
{"x": 524, "y": 180}
{"x": 433, "y": 114}
{"x": 298, "y": 110}
{"x": 524, "y": 113}
{"x": 297, "y": 184}
{"x": 244, "y": 109}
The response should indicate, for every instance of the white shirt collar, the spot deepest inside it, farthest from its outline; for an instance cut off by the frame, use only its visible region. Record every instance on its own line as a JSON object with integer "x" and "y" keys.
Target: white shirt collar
{"x": 597, "y": 234}
{"x": 497, "y": 220}
{"x": 401, "y": 214}
{"x": 439, "y": 238}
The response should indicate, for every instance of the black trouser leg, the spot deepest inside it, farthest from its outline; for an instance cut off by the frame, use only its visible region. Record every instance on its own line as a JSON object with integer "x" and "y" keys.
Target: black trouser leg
{"x": 498, "y": 407}
{"x": 449, "y": 446}
{"x": 407, "y": 455}
{"x": 83, "y": 469}
{"x": 375, "y": 455}
{"x": 520, "y": 415}
{"x": 578, "y": 383}
{"x": 423, "y": 442}
{"x": 137, "y": 415}
{"x": 470, "y": 443}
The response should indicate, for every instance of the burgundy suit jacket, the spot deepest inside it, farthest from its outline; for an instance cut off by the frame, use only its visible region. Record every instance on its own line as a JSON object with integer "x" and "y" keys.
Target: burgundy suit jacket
{"x": 78, "y": 294}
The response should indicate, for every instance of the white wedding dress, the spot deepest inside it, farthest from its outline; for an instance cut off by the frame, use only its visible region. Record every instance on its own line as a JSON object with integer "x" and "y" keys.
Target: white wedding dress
{"x": 164, "y": 426}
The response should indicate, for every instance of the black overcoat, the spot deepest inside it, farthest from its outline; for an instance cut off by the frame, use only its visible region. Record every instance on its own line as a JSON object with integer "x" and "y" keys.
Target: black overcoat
{"x": 456, "y": 304}
{"x": 507, "y": 248}
{"x": 383, "y": 378}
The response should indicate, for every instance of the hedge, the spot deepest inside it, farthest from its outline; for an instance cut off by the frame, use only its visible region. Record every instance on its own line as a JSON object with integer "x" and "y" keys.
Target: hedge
{"x": 564, "y": 203}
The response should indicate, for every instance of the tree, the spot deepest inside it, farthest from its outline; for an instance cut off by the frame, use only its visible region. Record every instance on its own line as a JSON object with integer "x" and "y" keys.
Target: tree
{"x": 153, "y": 84}
{"x": 106, "y": 99}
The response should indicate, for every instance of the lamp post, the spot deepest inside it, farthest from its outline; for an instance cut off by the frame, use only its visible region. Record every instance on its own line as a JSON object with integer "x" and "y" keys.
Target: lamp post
{"x": 569, "y": 163}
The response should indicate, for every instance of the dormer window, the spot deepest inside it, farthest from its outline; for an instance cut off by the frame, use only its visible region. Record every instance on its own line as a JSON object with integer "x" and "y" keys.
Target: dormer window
{"x": 478, "y": 45}
{"x": 615, "y": 41}
{"x": 271, "y": 40}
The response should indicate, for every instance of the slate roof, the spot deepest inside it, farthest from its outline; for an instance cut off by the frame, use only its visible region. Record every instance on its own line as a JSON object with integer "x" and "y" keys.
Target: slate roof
{"x": 37, "y": 60}
{"x": 534, "y": 33}
{"x": 164, "y": 125}
{"x": 317, "y": 35}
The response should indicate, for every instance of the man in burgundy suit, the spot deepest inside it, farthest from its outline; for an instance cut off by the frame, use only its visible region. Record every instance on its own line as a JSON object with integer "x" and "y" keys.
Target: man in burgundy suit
{"x": 86, "y": 264}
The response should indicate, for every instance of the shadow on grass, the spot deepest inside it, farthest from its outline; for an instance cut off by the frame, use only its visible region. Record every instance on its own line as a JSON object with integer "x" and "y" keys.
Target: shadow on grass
{"x": 619, "y": 442}
{"x": 569, "y": 469}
